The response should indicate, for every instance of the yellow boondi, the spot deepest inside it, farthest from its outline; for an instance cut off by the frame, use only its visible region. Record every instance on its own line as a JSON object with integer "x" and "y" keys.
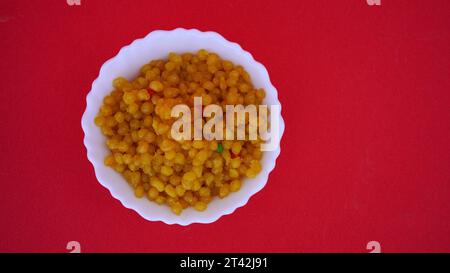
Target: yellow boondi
{"x": 136, "y": 119}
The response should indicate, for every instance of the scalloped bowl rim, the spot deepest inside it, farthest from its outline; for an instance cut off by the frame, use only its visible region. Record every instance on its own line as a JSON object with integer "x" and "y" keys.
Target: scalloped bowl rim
{"x": 119, "y": 65}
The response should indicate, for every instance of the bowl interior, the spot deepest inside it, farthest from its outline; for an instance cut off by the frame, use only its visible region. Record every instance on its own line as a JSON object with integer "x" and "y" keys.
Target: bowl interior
{"x": 127, "y": 64}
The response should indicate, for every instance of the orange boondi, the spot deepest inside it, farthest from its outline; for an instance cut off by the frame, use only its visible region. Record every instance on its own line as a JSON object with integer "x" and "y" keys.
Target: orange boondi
{"x": 136, "y": 120}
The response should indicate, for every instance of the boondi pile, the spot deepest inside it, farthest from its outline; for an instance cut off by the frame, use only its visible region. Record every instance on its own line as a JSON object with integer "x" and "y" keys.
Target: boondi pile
{"x": 135, "y": 118}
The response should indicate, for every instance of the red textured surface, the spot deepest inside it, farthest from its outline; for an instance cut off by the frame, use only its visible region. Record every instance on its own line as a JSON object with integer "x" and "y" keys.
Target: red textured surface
{"x": 366, "y": 98}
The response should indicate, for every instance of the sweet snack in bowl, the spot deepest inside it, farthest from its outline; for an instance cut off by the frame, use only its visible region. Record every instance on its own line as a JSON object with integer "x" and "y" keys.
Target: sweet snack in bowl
{"x": 164, "y": 132}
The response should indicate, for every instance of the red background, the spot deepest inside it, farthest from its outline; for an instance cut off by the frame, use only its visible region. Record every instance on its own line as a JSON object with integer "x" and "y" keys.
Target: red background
{"x": 365, "y": 156}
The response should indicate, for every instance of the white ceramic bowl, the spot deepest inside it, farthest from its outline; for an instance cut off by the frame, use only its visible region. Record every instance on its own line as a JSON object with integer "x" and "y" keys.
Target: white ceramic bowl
{"x": 130, "y": 58}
